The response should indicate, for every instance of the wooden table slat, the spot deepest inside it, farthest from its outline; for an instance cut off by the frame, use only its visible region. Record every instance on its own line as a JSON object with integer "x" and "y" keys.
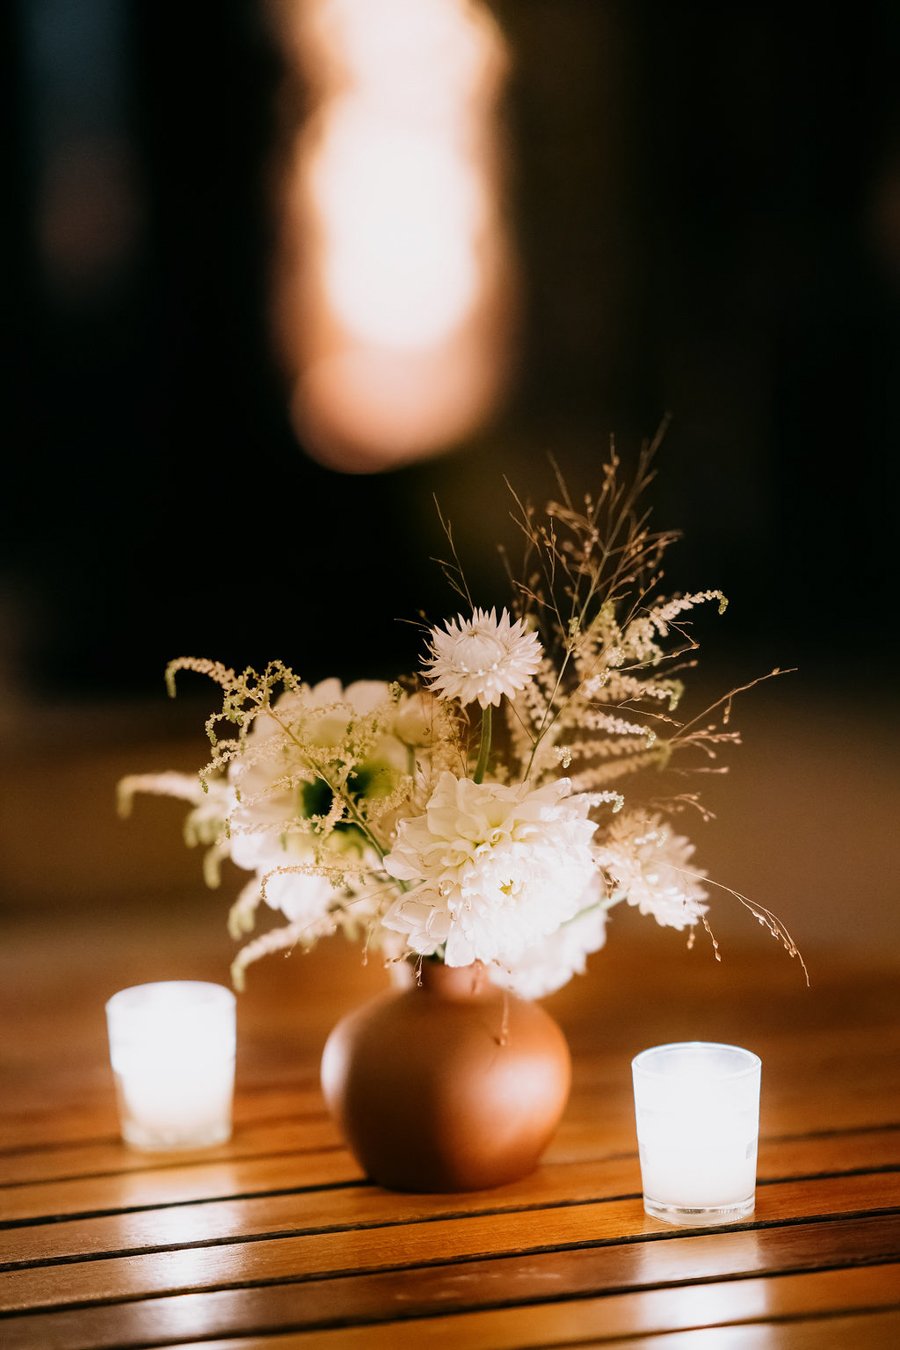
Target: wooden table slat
{"x": 600, "y": 1320}
{"x": 319, "y": 1209}
{"x": 869, "y": 1331}
{"x": 357, "y": 1250}
{"x": 266, "y": 1139}
{"x": 178, "y": 1185}
{"x": 503, "y": 1281}
{"x": 874, "y": 1331}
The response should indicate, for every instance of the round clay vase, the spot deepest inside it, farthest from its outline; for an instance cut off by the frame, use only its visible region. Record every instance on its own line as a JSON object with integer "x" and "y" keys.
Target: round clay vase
{"x": 448, "y": 1085}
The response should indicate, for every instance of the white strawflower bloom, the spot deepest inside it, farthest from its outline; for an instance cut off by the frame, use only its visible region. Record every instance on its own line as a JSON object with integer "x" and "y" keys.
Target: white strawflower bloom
{"x": 551, "y": 963}
{"x": 495, "y": 869}
{"x": 482, "y": 658}
{"x": 650, "y": 867}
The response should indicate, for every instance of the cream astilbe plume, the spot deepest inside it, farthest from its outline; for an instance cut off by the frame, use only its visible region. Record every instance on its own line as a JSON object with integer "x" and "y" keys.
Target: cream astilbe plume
{"x": 204, "y": 825}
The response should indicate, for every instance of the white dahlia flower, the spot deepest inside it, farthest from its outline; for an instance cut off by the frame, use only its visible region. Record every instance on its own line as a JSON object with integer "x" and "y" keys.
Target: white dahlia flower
{"x": 650, "y": 867}
{"x": 551, "y": 963}
{"x": 482, "y": 658}
{"x": 494, "y": 868}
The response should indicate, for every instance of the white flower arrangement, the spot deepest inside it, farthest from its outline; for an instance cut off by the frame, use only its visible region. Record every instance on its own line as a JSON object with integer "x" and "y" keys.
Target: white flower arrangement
{"x": 401, "y": 817}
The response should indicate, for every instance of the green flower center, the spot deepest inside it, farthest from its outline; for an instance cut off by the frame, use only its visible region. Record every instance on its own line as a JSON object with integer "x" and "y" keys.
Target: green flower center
{"x": 370, "y": 780}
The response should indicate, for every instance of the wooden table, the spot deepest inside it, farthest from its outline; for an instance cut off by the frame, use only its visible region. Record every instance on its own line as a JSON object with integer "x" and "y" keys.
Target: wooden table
{"x": 276, "y": 1240}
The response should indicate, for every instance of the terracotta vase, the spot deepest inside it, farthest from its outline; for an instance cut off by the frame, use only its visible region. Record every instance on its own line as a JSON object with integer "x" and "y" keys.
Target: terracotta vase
{"x": 450, "y": 1085}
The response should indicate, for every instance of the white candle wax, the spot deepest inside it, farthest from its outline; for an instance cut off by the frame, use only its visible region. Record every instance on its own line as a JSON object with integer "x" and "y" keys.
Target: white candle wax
{"x": 697, "y": 1114}
{"x": 172, "y": 1051}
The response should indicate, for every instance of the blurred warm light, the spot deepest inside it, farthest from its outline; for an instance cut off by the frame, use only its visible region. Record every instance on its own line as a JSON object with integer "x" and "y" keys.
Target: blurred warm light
{"x": 399, "y": 210}
{"x": 393, "y": 304}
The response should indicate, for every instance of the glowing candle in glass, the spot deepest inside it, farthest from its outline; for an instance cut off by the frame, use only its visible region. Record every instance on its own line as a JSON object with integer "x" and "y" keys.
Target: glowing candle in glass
{"x": 172, "y": 1051}
{"x": 697, "y": 1112}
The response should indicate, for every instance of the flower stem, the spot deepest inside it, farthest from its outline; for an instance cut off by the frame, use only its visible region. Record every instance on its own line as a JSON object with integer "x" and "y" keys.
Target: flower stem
{"x": 485, "y": 750}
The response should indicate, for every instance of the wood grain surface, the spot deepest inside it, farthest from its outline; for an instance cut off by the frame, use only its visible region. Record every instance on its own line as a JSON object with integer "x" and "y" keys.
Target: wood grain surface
{"x": 276, "y": 1241}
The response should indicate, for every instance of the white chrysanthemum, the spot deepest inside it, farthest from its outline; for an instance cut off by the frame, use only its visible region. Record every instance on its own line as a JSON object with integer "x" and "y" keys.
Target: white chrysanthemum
{"x": 495, "y": 869}
{"x": 551, "y": 963}
{"x": 482, "y": 658}
{"x": 260, "y": 825}
{"x": 650, "y": 867}
{"x": 314, "y": 878}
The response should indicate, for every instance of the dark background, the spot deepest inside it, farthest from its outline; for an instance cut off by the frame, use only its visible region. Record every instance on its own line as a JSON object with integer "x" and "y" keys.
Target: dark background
{"x": 706, "y": 205}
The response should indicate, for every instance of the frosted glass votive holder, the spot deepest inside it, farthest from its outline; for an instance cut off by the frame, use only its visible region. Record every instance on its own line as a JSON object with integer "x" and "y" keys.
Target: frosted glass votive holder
{"x": 172, "y": 1048}
{"x": 697, "y": 1113}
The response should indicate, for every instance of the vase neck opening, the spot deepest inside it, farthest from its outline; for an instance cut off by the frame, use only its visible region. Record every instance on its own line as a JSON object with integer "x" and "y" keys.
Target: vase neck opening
{"x": 456, "y": 982}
